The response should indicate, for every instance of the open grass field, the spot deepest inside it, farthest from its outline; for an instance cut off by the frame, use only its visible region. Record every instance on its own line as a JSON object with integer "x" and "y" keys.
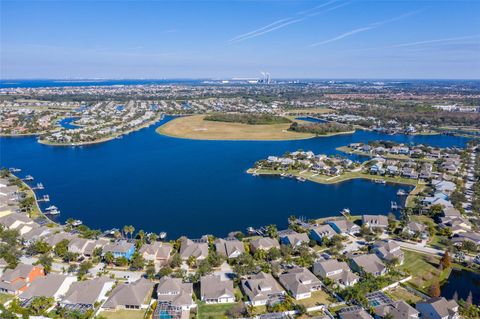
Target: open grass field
{"x": 213, "y": 311}
{"x": 123, "y": 314}
{"x": 424, "y": 270}
{"x": 194, "y": 127}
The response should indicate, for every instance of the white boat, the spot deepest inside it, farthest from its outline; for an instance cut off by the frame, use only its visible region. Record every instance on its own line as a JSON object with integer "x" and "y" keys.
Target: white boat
{"x": 51, "y": 207}
{"x": 301, "y": 179}
{"x": 28, "y": 178}
{"x": 53, "y": 212}
{"x": 380, "y": 181}
{"x": 163, "y": 235}
{"x": 77, "y": 222}
{"x": 401, "y": 192}
{"x": 250, "y": 230}
{"x": 345, "y": 211}
{"x": 14, "y": 170}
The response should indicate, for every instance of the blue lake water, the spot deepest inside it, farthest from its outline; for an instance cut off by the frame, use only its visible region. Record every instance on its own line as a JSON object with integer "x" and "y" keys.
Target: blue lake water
{"x": 67, "y": 123}
{"x": 191, "y": 187}
{"x": 463, "y": 283}
{"x": 311, "y": 119}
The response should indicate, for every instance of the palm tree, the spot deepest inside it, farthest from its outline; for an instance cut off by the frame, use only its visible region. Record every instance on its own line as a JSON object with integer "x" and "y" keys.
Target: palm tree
{"x": 125, "y": 230}
{"x": 131, "y": 230}
{"x": 152, "y": 237}
{"x": 141, "y": 235}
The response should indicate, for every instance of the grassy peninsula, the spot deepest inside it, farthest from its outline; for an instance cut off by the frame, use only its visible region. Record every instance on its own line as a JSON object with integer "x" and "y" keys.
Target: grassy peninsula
{"x": 198, "y": 127}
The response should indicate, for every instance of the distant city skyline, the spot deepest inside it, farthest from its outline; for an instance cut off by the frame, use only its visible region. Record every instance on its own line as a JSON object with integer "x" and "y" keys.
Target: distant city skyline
{"x": 330, "y": 39}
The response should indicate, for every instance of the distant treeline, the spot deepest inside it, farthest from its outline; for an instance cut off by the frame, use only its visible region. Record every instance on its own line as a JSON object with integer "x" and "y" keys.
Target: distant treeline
{"x": 252, "y": 119}
{"x": 418, "y": 115}
{"x": 321, "y": 128}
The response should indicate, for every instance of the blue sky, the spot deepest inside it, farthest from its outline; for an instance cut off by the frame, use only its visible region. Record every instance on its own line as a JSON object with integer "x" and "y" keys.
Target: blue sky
{"x": 223, "y": 39}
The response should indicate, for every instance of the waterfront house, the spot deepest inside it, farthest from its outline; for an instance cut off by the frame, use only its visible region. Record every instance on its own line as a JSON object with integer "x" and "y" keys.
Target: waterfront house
{"x": 337, "y": 271}
{"x": 85, "y": 294}
{"x": 50, "y": 286}
{"x": 438, "y": 308}
{"x": 135, "y": 295}
{"x": 175, "y": 293}
{"x": 230, "y": 248}
{"x": 294, "y": 239}
{"x": 320, "y": 232}
{"x": 16, "y": 281}
{"x": 388, "y": 250}
{"x": 354, "y": 312}
{"x": 300, "y": 282}
{"x": 120, "y": 248}
{"x": 215, "y": 290}
{"x": 262, "y": 289}
{"x": 397, "y": 310}
{"x": 157, "y": 252}
{"x": 368, "y": 263}
{"x": 375, "y": 221}
{"x": 264, "y": 243}
{"x": 195, "y": 248}
{"x": 344, "y": 226}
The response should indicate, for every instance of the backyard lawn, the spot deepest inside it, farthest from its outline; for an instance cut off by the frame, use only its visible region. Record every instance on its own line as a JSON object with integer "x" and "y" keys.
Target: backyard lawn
{"x": 4, "y": 298}
{"x": 424, "y": 270}
{"x": 123, "y": 314}
{"x": 400, "y": 293}
{"x": 213, "y": 311}
{"x": 318, "y": 298}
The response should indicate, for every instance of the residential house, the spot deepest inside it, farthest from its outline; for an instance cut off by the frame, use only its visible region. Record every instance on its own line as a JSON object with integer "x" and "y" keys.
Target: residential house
{"x": 368, "y": 263}
{"x": 438, "y": 308}
{"x": 318, "y": 233}
{"x": 135, "y": 295}
{"x": 119, "y": 249}
{"x": 337, "y": 271}
{"x": 87, "y": 293}
{"x": 51, "y": 286}
{"x": 300, "y": 282}
{"x": 413, "y": 228}
{"x": 397, "y": 310}
{"x": 16, "y": 281}
{"x": 344, "y": 226}
{"x": 175, "y": 293}
{"x": 157, "y": 252}
{"x": 215, "y": 290}
{"x": 230, "y": 248}
{"x": 388, "y": 250}
{"x": 193, "y": 248}
{"x": 375, "y": 221}
{"x": 20, "y": 222}
{"x": 354, "y": 312}
{"x": 294, "y": 239}
{"x": 459, "y": 238}
{"x": 264, "y": 243}
{"x": 262, "y": 289}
